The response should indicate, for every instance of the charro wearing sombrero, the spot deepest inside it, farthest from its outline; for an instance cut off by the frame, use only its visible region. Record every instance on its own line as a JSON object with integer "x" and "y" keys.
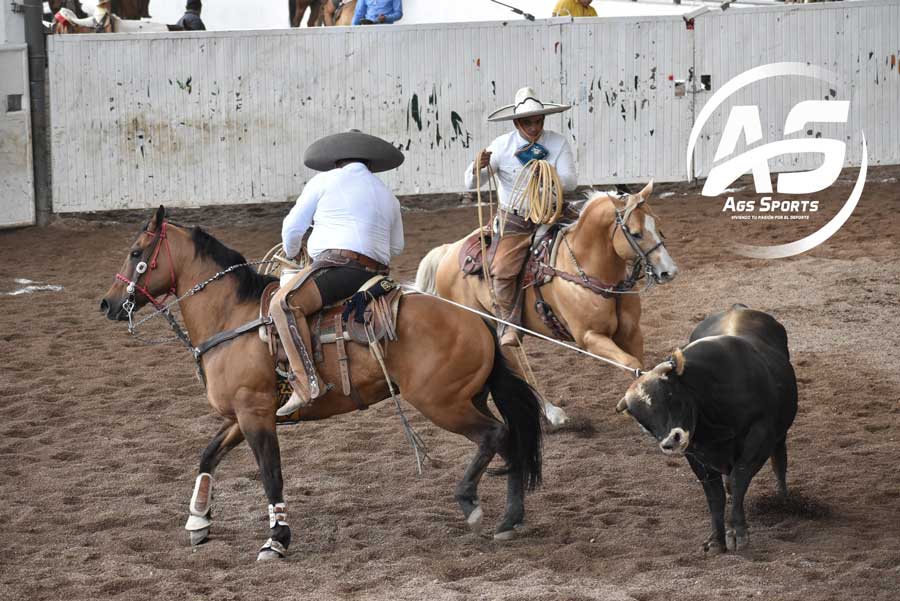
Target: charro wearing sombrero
{"x": 357, "y": 228}
{"x": 507, "y": 155}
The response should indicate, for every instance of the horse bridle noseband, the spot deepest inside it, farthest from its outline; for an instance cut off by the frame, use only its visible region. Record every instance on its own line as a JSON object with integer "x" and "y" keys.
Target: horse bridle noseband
{"x": 643, "y": 257}
{"x": 144, "y": 269}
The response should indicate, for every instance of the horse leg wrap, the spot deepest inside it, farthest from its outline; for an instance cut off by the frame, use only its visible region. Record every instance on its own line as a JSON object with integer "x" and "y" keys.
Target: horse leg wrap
{"x": 201, "y": 503}
{"x": 277, "y": 515}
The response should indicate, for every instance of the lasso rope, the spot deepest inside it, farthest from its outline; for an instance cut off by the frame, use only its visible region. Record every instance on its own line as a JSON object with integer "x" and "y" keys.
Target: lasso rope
{"x": 544, "y": 194}
{"x": 538, "y": 193}
{"x": 492, "y": 187}
{"x": 635, "y": 372}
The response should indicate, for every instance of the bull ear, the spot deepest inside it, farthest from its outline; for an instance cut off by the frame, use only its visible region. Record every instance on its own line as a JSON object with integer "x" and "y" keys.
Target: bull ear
{"x": 157, "y": 219}
{"x": 678, "y": 361}
{"x": 622, "y": 405}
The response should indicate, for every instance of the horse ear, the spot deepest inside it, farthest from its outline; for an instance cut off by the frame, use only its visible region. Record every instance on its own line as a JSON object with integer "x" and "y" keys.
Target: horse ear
{"x": 157, "y": 219}
{"x": 633, "y": 202}
{"x": 646, "y": 192}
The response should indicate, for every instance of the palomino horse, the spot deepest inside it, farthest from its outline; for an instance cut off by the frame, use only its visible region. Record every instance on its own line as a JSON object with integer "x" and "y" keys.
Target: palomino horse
{"x": 444, "y": 362}
{"x": 586, "y": 284}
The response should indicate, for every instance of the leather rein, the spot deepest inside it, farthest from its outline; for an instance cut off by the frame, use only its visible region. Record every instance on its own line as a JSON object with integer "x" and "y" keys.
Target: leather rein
{"x": 544, "y": 273}
{"x": 143, "y": 269}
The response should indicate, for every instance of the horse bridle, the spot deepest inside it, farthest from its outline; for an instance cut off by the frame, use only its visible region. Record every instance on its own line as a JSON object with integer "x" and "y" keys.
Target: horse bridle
{"x": 144, "y": 269}
{"x": 643, "y": 257}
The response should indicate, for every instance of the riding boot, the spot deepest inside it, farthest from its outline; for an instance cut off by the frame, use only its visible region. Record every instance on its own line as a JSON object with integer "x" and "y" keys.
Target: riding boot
{"x": 509, "y": 307}
{"x": 290, "y": 322}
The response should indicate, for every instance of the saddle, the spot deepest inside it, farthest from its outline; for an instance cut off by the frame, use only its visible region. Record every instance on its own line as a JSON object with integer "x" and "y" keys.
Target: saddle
{"x": 544, "y": 247}
{"x": 368, "y": 317}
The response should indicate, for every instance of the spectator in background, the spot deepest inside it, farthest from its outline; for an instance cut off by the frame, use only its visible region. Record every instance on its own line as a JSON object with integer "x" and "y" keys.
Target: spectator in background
{"x": 574, "y": 8}
{"x": 191, "y": 20}
{"x": 375, "y": 12}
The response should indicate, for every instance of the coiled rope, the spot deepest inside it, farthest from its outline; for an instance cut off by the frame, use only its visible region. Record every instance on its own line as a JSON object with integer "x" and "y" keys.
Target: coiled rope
{"x": 538, "y": 193}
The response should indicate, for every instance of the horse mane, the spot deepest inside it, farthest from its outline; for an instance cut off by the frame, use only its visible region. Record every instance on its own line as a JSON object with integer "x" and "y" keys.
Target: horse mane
{"x": 250, "y": 283}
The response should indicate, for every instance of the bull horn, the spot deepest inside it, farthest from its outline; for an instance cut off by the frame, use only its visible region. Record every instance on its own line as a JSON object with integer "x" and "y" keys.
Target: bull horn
{"x": 678, "y": 361}
{"x": 622, "y": 406}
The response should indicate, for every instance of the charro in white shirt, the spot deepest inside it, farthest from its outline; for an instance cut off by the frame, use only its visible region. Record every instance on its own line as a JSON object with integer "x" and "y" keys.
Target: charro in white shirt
{"x": 350, "y": 208}
{"x": 507, "y": 167}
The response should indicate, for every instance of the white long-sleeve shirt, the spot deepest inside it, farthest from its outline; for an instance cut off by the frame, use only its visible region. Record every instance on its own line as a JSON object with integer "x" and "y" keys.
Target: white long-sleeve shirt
{"x": 349, "y": 208}
{"x": 507, "y": 167}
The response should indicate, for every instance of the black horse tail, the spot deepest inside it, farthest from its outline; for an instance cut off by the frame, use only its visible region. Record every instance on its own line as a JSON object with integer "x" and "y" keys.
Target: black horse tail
{"x": 521, "y": 410}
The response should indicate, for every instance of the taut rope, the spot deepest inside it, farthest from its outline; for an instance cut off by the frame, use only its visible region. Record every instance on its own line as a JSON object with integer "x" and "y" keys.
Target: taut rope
{"x": 635, "y": 372}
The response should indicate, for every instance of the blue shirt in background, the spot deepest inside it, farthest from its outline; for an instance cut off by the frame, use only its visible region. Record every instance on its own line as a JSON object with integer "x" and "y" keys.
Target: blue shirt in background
{"x": 371, "y": 9}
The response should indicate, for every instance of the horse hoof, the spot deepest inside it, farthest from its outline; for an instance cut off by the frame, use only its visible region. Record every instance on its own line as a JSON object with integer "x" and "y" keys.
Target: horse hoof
{"x": 271, "y": 550}
{"x": 509, "y": 533}
{"x": 474, "y": 520}
{"x": 713, "y": 545}
{"x": 555, "y": 416}
{"x": 198, "y": 537}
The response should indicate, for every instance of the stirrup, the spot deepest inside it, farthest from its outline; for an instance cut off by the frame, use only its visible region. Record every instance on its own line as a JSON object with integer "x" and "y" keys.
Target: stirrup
{"x": 293, "y": 403}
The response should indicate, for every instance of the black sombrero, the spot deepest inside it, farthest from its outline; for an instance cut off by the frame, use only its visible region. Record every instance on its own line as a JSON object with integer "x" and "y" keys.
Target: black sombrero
{"x": 379, "y": 154}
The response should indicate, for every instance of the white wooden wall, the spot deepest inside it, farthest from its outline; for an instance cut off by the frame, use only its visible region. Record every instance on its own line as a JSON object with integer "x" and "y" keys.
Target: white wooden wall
{"x": 859, "y": 42}
{"x": 192, "y": 119}
{"x": 16, "y": 184}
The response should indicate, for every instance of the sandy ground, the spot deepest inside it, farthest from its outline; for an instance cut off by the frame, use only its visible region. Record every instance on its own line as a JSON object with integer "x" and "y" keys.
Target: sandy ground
{"x": 100, "y": 437}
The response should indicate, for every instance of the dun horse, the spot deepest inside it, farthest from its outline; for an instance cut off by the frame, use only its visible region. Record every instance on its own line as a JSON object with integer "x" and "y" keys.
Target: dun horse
{"x": 583, "y": 287}
{"x": 444, "y": 362}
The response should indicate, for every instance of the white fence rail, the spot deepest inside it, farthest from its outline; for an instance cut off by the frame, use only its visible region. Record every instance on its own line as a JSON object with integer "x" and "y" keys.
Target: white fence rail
{"x": 192, "y": 119}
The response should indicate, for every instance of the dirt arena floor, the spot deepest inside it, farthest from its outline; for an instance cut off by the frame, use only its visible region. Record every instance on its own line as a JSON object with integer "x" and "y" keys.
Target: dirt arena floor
{"x": 100, "y": 438}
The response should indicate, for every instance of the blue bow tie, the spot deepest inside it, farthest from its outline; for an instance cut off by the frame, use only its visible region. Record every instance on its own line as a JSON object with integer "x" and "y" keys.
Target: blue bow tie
{"x": 531, "y": 152}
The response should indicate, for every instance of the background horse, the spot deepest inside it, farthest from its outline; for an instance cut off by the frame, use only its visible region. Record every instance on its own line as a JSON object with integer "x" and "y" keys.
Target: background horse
{"x": 297, "y": 8}
{"x": 444, "y": 363}
{"x": 608, "y": 234}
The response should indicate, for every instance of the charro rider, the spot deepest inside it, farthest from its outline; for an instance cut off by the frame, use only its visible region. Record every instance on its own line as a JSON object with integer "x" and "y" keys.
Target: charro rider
{"x": 357, "y": 228}
{"x": 507, "y": 155}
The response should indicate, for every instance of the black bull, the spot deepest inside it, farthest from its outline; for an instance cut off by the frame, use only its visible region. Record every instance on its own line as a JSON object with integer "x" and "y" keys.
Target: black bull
{"x": 726, "y": 402}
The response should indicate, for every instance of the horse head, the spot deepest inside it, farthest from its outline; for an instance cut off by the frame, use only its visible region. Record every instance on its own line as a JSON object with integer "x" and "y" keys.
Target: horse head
{"x": 637, "y": 236}
{"x": 634, "y": 231}
{"x": 148, "y": 271}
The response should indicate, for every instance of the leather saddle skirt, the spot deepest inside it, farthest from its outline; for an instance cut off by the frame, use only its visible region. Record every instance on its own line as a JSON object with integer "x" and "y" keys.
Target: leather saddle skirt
{"x": 470, "y": 260}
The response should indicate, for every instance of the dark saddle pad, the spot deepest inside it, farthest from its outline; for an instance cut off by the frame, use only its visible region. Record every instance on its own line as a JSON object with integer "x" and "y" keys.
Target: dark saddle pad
{"x": 371, "y": 311}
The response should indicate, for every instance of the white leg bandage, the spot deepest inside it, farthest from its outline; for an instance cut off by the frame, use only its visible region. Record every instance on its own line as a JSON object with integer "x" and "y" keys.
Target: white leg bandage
{"x": 201, "y": 503}
{"x": 277, "y": 515}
